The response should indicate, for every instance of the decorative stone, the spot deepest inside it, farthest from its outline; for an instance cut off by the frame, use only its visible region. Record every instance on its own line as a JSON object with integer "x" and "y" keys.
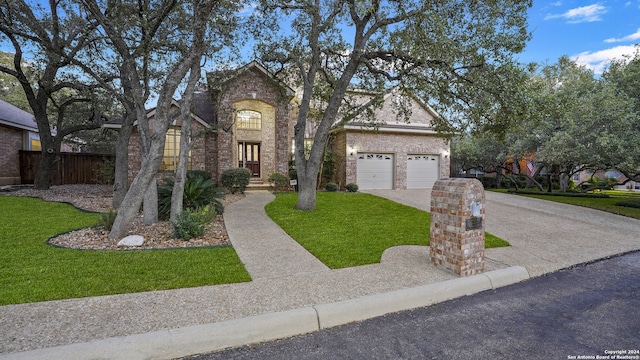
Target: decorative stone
{"x": 131, "y": 240}
{"x": 457, "y": 226}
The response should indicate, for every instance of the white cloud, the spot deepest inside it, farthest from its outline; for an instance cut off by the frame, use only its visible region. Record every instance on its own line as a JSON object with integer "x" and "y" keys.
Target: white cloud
{"x": 588, "y": 13}
{"x": 632, "y": 37}
{"x": 598, "y": 61}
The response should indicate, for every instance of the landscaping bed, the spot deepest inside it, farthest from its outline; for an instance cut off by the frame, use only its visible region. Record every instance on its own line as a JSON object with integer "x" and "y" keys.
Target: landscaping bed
{"x": 97, "y": 198}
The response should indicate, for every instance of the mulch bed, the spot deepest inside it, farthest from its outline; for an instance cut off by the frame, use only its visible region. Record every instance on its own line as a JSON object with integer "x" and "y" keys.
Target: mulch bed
{"x": 98, "y": 198}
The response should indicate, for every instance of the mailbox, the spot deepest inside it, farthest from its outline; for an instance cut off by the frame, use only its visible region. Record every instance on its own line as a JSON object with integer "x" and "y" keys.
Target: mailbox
{"x": 457, "y": 226}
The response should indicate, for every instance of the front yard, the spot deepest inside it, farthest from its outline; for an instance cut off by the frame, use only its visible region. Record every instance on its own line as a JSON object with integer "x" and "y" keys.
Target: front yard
{"x": 31, "y": 270}
{"x": 346, "y": 230}
{"x": 352, "y": 229}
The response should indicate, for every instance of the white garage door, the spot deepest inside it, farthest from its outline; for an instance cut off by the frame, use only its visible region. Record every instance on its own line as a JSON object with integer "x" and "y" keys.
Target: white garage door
{"x": 422, "y": 171}
{"x": 375, "y": 171}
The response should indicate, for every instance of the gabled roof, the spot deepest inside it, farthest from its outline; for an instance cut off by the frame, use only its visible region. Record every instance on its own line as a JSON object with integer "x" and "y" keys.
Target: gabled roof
{"x": 369, "y": 99}
{"x": 217, "y": 79}
{"x": 117, "y": 123}
{"x": 13, "y": 116}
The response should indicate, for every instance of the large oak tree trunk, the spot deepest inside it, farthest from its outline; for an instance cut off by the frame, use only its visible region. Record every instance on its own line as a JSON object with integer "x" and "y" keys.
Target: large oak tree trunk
{"x": 138, "y": 190}
{"x": 121, "y": 176}
{"x": 307, "y": 183}
{"x": 42, "y": 180}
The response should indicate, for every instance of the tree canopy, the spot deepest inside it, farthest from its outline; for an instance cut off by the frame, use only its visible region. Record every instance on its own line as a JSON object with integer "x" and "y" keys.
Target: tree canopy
{"x": 456, "y": 55}
{"x": 575, "y": 121}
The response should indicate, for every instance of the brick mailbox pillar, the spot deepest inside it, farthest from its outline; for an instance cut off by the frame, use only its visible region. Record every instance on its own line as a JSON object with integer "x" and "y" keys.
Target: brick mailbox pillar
{"x": 457, "y": 226}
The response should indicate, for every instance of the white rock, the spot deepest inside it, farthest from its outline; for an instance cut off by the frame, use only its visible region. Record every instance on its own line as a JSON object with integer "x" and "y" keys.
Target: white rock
{"x": 131, "y": 240}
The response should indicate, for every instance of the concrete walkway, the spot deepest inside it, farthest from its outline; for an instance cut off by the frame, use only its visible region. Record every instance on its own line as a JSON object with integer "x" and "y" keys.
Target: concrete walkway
{"x": 293, "y": 293}
{"x": 266, "y": 251}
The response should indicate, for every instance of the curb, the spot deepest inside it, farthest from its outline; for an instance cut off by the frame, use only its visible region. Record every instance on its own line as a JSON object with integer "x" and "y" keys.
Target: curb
{"x": 198, "y": 339}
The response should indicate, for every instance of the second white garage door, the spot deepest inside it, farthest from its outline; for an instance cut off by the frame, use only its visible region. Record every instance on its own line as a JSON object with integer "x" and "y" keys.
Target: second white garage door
{"x": 422, "y": 171}
{"x": 375, "y": 171}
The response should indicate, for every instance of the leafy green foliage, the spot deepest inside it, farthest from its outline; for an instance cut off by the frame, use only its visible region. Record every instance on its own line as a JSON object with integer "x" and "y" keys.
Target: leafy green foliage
{"x": 34, "y": 271}
{"x": 107, "y": 219}
{"x": 353, "y": 229}
{"x": 352, "y": 187}
{"x": 456, "y": 55}
{"x": 279, "y": 182}
{"x": 629, "y": 203}
{"x": 333, "y": 187}
{"x": 105, "y": 173}
{"x": 604, "y": 202}
{"x": 199, "y": 173}
{"x": 236, "y": 179}
{"x": 574, "y": 121}
{"x": 192, "y": 223}
{"x": 199, "y": 190}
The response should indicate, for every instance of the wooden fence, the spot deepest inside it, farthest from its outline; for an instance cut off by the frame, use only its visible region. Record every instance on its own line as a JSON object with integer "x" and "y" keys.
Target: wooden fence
{"x": 73, "y": 168}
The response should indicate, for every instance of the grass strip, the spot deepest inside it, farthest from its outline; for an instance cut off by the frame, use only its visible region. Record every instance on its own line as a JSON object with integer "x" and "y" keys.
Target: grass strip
{"x": 608, "y": 204}
{"x": 352, "y": 229}
{"x": 31, "y": 270}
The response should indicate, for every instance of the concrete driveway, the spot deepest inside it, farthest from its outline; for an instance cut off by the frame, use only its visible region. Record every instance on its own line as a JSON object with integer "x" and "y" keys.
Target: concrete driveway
{"x": 545, "y": 236}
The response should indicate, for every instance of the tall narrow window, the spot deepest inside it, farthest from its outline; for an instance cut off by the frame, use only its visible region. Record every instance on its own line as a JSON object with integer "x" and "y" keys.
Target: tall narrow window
{"x": 172, "y": 151}
{"x": 249, "y": 120}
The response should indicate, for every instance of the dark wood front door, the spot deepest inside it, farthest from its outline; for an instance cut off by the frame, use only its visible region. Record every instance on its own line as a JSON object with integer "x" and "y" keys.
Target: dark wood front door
{"x": 249, "y": 157}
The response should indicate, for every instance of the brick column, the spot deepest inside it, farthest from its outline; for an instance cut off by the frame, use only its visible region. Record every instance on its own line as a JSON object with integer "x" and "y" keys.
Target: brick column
{"x": 457, "y": 226}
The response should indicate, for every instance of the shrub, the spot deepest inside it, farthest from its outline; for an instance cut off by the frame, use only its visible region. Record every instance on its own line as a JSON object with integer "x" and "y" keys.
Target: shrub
{"x": 488, "y": 182}
{"x": 198, "y": 192}
{"x": 199, "y": 173}
{"x": 107, "y": 219}
{"x": 105, "y": 173}
{"x": 190, "y": 223}
{"x": 629, "y": 203}
{"x": 333, "y": 187}
{"x": 279, "y": 182}
{"x": 351, "y": 187}
{"x": 236, "y": 179}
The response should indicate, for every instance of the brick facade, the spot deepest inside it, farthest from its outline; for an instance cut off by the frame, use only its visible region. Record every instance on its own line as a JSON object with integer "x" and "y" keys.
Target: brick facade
{"x": 399, "y": 144}
{"x": 453, "y": 246}
{"x": 12, "y": 142}
{"x": 215, "y": 149}
{"x": 254, "y": 90}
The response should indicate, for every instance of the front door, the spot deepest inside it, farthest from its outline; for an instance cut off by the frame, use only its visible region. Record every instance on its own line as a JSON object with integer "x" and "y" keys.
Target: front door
{"x": 249, "y": 157}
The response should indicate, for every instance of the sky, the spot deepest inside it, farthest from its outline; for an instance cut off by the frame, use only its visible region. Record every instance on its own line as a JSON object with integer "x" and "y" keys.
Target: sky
{"x": 591, "y": 33}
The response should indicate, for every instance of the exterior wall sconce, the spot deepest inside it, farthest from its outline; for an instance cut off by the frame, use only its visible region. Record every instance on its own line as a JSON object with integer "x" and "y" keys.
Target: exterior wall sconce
{"x": 352, "y": 150}
{"x": 445, "y": 153}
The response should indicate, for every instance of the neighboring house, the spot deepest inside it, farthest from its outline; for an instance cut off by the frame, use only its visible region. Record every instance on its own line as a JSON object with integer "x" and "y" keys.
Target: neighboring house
{"x": 396, "y": 153}
{"x": 246, "y": 119}
{"x": 18, "y": 131}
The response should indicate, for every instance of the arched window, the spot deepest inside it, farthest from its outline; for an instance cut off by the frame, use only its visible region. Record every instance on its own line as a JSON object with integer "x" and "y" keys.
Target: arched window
{"x": 249, "y": 120}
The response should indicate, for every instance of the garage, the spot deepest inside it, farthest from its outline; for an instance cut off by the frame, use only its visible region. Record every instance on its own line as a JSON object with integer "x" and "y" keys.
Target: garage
{"x": 375, "y": 171}
{"x": 422, "y": 171}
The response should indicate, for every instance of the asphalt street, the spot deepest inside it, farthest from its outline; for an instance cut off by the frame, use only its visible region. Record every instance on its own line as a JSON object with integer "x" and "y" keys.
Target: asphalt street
{"x": 586, "y": 312}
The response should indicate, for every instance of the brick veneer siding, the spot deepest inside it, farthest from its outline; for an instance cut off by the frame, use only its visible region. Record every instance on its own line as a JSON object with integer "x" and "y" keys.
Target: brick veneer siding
{"x": 452, "y": 246}
{"x": 253, "y": 90}
{"x": 217, "y": 150}
{"x": 398, "y": 144}
{"x": 12, "y": 142}
{"x": 198, "y": 152}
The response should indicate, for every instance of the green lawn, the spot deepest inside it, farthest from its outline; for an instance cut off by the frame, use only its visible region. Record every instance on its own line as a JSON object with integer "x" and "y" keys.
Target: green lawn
{"x": 31, "y": 270}
{"x": 352, "y": 229}
{"x": 604, "y": 204}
